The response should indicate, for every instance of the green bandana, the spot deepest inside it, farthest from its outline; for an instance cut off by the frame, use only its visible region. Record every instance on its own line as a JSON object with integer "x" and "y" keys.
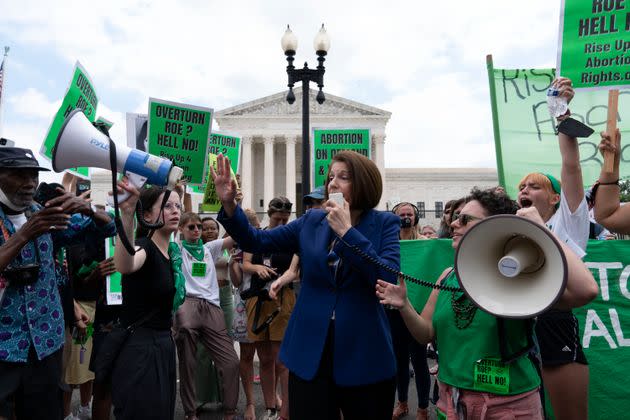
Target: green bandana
{"x": 194, "y": 248}
{"x": 180, "y": 281}
{"x": 85, "y": 270}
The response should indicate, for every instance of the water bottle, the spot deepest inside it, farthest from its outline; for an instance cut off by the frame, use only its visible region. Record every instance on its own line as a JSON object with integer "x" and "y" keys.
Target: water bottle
{"x": 557, "y": 104}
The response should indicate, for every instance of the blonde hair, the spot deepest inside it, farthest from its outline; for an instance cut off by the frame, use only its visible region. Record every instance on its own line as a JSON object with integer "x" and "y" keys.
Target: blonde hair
{"x": 252, "y": 217}
{"x": 537, "y": 178}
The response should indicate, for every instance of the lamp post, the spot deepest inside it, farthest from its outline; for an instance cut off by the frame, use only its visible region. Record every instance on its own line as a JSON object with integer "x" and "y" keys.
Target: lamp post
{"x": 306, "y": 75}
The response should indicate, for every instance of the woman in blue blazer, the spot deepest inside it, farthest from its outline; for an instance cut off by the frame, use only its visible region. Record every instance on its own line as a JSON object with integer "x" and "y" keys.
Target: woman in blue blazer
{"x": 337, "y": 346}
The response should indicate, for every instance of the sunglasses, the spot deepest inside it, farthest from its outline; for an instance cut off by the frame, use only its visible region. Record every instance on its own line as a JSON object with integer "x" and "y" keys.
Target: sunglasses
{"x": 464, "y": 218}
{"x": 281, "y": 207}
{"x": 199, "y": 226}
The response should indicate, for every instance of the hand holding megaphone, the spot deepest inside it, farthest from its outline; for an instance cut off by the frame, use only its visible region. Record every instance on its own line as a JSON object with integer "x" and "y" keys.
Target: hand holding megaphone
{"x": 130, "y": 192}
{"x": 136, "y": 180}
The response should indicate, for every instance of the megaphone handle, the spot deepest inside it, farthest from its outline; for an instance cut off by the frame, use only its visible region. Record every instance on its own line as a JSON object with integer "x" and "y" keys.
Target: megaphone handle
{"x": 136, "y": 180}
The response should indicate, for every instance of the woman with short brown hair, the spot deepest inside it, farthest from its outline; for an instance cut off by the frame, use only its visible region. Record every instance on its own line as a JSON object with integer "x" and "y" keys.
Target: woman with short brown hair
{"x": 337, "y": 346}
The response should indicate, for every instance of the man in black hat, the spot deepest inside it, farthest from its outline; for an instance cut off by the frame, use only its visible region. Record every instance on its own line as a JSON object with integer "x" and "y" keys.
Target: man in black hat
{"x": 31, "y": 316}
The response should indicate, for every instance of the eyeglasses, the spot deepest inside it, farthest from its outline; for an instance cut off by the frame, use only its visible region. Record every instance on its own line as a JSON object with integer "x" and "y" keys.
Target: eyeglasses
{"x": 464, "y": 218}
{"x": 171, "y": 206}
{"x": 199, "y": 226}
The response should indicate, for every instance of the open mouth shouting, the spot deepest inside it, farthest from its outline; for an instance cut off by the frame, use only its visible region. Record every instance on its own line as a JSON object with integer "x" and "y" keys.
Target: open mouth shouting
{"x": 524, "y": 202}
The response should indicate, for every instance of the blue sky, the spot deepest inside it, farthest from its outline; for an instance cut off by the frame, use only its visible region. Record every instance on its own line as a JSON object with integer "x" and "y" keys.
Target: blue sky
{"x": 423, "y": 61}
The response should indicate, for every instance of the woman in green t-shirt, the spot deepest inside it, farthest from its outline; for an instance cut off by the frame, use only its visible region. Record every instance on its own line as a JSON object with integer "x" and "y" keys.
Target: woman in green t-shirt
{"x": 475, "y": 381}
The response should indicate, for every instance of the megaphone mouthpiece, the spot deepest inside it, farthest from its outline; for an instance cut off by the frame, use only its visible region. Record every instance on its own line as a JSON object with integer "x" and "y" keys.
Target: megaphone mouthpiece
{"x": 522, "y": 255}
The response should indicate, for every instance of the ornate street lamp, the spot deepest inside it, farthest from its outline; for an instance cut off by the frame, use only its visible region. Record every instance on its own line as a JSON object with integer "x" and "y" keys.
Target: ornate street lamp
{"x": 289, "y": 46}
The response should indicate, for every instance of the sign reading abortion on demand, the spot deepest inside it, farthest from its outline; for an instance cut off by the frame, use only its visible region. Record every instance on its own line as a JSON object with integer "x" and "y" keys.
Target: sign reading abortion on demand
{"x": 330, "y": 141}
{"x": 594, "y": 50}
{"x": 80, "y": 94}
{"x": 180, "y": 132}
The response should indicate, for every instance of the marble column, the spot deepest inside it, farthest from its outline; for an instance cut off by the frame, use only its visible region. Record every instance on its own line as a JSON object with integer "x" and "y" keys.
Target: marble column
{"x": 268, "y": 191}
{"x": 290, "y": 169}
{"x": 247, "y": 184}
{"x": 379, "y": 159}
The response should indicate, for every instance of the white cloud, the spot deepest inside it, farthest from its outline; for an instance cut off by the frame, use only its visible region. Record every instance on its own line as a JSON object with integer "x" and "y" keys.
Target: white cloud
{"x": 424, "y": 61}
{"x": 32, "y": 103}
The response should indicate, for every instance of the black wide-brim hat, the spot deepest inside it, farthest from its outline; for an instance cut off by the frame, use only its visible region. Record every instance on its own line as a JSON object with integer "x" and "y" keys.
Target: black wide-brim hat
{"x": 18, "y": 158}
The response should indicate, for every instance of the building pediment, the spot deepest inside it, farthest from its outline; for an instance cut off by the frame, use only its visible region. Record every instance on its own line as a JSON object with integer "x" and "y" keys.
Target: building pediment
{"x": 277, "y": 106}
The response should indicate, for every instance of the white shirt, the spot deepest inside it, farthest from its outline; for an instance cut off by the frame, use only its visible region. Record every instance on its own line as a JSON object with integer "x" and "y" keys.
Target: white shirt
{"x": 206, "y": 287}
{"x": 571, "y": 228}
{"x": 18, "y": 220}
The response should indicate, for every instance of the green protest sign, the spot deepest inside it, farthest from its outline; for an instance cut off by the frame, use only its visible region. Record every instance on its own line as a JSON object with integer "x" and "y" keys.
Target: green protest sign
{"x": 107, "y": 123}
{"x": 227, "y": 144}
{"x": 180, "y": 132}
{"x": 327, "y": 142}
{"x": 211, "y": 203}
{"x": 604, "y": 323}
{"x": 80, "y": 94}
{"x": 524, "y": 131}
{"x": 594, "y": 43}
{"x": 113, "y": 282}
{"x": 438, "y": 251}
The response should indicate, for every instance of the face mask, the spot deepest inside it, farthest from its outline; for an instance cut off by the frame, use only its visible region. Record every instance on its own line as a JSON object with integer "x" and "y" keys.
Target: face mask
{"x": 405, "y": 222}
{"x": 5, "y": 200}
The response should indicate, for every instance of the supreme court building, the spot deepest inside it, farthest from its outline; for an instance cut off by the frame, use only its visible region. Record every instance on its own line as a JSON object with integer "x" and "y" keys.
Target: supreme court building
{"x": 271, "y": 155}
{"x": 271, "y": 132}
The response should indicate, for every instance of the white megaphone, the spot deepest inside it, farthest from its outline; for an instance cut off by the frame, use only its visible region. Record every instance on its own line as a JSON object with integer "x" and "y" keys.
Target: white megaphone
{"x": 81, "y": 144}
{"x": 511, "y": 267}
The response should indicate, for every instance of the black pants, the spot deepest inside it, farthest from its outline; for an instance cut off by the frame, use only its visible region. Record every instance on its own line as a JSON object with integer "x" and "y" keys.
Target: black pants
{"x": 143, "y": 381}
{"x": 321, "y": 399}
{"x": 32, "y": 389}
{"x": 404, "y": 346}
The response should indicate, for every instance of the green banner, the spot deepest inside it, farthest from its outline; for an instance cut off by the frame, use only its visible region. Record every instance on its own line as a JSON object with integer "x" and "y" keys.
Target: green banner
{"x": 113, "y": 284}
{"x": 211, "y": 203}
{"x": 330, "y": 141}
{"x": 604, "y": 323}
{"x": 524, "y": 131}
{"x": 594, "y": 50}
{"x": 227, "y": 144}
{"x": 180, "y": 132}
{"x": 80, "y": 94}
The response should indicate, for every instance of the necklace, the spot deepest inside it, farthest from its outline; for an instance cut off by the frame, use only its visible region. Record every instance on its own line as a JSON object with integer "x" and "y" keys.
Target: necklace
{"x": 464, "y": 311}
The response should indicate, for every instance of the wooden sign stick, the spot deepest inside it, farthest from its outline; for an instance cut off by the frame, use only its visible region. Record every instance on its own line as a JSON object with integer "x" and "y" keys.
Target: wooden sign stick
{"x": 611, "y": 128}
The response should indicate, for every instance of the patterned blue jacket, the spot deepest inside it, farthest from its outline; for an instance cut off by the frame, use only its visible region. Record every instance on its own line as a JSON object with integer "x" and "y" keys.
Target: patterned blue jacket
{"x": 33, "y": 315}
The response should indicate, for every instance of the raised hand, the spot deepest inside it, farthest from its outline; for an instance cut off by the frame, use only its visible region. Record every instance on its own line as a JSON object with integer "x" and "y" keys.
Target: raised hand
{"x": 391, "y": 294}
{"x": 128, "y": 206}
{"x": 565, "y": 88}
{"x": 607, "y": 144}
{"x": 224, "y": 184}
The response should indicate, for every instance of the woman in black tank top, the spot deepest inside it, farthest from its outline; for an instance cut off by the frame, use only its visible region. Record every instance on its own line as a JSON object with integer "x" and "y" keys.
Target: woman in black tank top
{"x": 143, "y": 380}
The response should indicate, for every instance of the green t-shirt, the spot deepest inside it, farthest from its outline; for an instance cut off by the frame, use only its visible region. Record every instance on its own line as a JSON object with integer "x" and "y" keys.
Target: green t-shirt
{"x": 470, "y": 357}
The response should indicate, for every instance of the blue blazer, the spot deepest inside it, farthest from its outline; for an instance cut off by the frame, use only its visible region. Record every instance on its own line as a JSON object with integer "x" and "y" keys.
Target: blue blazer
{"x": 363, "y": 352}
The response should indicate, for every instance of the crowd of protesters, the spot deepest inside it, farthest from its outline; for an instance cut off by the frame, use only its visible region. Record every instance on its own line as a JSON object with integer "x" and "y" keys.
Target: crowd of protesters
{"x": 317, "y": 299}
